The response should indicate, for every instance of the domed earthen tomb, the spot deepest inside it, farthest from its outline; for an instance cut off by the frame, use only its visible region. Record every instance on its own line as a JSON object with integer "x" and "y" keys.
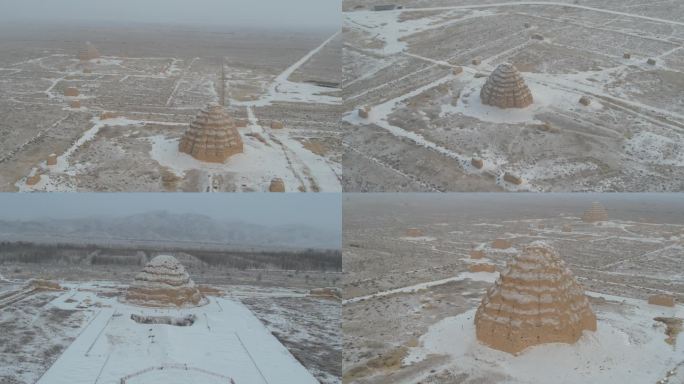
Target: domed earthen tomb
{"x": 88, "y": 52}
{"x": 212, "y": 136}
{"x": 596, "y": 213}
{"x": 505, "y": 88}
{"x": 536, "y": 300}
{"x": 163, "y": 282}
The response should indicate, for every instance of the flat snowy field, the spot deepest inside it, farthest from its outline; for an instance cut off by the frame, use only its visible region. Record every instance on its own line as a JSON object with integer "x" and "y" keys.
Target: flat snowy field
{"x": 408, "y": 313}
{"x": 154, "y": 98}
{"x": 226, "y": 341}
{"x": 626, "y": 348}
{"x": 420, "y": 70}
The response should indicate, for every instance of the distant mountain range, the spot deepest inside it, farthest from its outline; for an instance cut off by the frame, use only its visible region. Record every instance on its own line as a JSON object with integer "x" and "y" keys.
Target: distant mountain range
{"x": 161, "y": 226}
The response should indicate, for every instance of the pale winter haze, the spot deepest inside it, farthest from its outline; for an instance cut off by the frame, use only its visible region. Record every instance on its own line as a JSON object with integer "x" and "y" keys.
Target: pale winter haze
{"x": 319, "y": 211}
{"x": 299, "y": 14}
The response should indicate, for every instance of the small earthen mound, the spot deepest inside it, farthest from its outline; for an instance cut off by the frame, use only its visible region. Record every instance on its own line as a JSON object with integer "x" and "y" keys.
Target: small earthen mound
{"x": 477, "y": 254}
{"x": 71, "y": 92}
{"x": 45, "y": 285}
{"x": 414, "y": 232}
{"x": 627, "y": 55}
{"x": 364, "y": 112}
{"x": 651, "y": 62}
{"x": 52, "y": 159}
{"x": 327, "y": 292}
{"x": 212, "y": 136}
{"x": 536, "y": 300}
{"x": 75, "y": 104}
{"x": 501, "y": 244}
{"x": 595, "y": 214}
{"x": 662, "y": 300}
{"x": 505, "y": 88}
{"x": 513, "y": 179}
{"x": 585, "y": 101}
{"x": 477, "y": 163}
{"x": 277, "y": 185}
{"x": 277, "y": 124}
{"x": 567, "y": 228}
{"x": 491, "y": 268}
{"x": 163, "y": 282}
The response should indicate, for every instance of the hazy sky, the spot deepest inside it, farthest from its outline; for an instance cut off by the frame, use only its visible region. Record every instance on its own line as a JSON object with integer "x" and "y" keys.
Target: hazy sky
{"x": 317, "y": 209}
{"x": 256, "y": 13}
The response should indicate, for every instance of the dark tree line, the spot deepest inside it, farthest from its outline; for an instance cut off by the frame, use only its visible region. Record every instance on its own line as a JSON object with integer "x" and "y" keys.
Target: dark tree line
{"x": 306, "y": 260}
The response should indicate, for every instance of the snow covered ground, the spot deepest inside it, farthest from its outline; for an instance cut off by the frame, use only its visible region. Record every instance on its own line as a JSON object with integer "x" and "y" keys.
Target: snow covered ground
{"x": 153, "y": 99}
{"x": 226, "y": 341}
{"x": 428, "y": 118}
{"x": 627, "y": 347}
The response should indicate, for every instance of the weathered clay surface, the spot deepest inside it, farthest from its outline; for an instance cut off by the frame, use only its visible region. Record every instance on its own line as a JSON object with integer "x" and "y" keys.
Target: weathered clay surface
{"x": 536, "y": 300}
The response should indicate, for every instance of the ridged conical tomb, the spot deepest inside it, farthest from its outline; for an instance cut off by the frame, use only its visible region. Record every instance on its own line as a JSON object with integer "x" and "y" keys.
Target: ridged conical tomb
{"x": 505, "y": 88}
{"x": 536, "y": 300}
{"x": 212, "y": 136}
{"x": 163, "y": 282}
{"x": 88, "y": 52}
{"x": 596, "y": 213}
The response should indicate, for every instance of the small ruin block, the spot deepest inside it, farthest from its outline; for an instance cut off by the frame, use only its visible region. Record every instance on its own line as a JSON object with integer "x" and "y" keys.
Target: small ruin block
{"x": 52, "y": 159}
{"x": 584, "y": 100}
{"x": 277, "y": 124}
{"x": 506, "y": 88}
{"x": 75, "y": 104}
{"x": 651, "y": 62}
{"x": 501, "y": 244}
{"x": 513, "y": 179}
{"x": 537, "y": 36}
{"x": 491, "y": 268}
{"x": 277, "y": 185}
{"x": 71, "y": 92}
{"x": 477, "y": 163}
{"x": 163, "y": 282}
{"x": 414, "y": 232}
{"x": 364, "y": 112}
{"x": 477, "y": 61}
{"x": 662, "y": 300}
{"x": 627, "y": 55}
{"x": 33, "y": 180}
{"x": 477, "y": 254}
